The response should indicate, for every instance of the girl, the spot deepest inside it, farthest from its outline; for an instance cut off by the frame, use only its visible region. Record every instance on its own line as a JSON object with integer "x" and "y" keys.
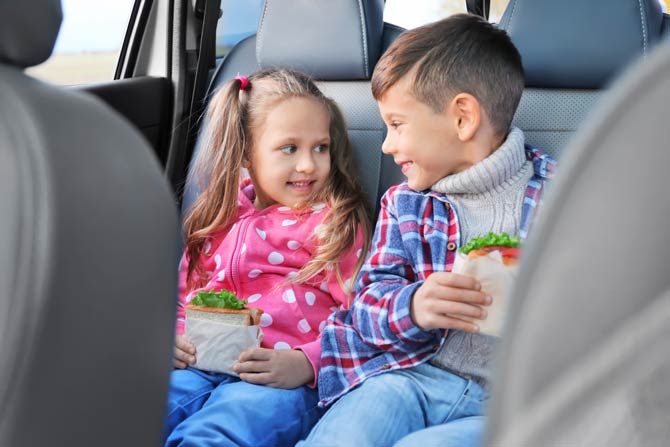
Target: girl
{"x": 289, "y": 239}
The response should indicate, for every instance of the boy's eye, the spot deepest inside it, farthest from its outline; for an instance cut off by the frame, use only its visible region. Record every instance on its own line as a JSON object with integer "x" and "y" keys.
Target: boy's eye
{"x": 395, "y": 125}
{"x": 288, "y": 149}
{"x": 322, "y": 148}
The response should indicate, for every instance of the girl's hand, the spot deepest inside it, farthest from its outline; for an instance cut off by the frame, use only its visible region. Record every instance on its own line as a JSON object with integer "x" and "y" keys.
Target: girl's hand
{"x": 284, "y": 368}
{"x": 444, "y": 297}
{"x": 184, "y": 352}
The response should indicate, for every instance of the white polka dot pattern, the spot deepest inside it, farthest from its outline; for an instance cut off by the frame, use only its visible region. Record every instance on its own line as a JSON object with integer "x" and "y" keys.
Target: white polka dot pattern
{"x": 269, "y": 248}
{"x": 275, "y": 258}
{"x": 266, "y": 319}
{"x": 288, "y": 296}
{"x": 303, "y": 326}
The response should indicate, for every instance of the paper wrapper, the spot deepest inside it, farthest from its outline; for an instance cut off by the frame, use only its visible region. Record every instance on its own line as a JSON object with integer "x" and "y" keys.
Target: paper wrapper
{"x": 219, "y": 345}
{"x": 496, "y": 279}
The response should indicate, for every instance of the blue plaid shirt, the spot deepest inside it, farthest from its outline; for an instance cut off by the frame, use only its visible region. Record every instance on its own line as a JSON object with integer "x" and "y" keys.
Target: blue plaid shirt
{"x": 417, "y": 233}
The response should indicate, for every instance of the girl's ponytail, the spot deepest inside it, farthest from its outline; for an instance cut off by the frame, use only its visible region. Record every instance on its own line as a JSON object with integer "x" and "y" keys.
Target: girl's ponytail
{"x": 217, "y": 171}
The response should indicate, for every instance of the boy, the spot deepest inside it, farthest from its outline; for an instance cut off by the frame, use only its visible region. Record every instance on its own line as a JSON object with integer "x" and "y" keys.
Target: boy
{"x": 404, "y": 357}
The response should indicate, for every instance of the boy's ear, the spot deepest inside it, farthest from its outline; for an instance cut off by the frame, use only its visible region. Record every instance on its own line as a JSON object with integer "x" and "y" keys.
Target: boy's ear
{"x": 467, "y": 115}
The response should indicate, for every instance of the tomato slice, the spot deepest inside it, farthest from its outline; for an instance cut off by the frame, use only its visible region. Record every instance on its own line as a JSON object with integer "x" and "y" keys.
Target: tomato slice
{"x": 505, "y": 252}
{"x": 510, "y": 252}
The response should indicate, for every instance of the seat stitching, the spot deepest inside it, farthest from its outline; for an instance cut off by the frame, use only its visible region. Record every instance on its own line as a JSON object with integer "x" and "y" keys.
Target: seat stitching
{"x": 511, "y": 16}
{"x": 365, "y": 43}
{"x": 259, "y": 35}
{"x": 644, "y": 28}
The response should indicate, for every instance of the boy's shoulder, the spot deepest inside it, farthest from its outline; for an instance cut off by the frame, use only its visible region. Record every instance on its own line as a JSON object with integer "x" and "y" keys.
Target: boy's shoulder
{"x": 403, "y": 192}
{"x": 401, "y": 199}
{"x": 544, "y": 165}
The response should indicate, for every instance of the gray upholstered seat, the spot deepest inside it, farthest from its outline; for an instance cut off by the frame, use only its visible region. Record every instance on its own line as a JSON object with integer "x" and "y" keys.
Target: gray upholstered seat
{"x": 87, "y": 258}
{"x": 586, "y": 361}
{"x": 571, "y": 50}
{"x": 338, "y": 43}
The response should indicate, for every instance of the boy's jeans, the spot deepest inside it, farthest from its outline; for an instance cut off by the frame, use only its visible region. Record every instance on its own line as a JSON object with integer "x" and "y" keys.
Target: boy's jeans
{"x": 390, "y": 406}
{"x": 220, "y": 410}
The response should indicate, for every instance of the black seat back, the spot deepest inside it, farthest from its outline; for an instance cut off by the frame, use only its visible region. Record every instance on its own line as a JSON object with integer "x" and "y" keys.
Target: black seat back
{"x": 88, "y": 258}
{"x": 571, "y": 50}
{"x": 337, "y": 43}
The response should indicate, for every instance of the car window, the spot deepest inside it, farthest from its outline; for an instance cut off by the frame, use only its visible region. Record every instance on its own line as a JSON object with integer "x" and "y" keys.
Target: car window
{"x": 239, "y": 19}
{"x": 412, "y": 14}
{"x": 407, "y": 14}
{"x": 88, "y": 43}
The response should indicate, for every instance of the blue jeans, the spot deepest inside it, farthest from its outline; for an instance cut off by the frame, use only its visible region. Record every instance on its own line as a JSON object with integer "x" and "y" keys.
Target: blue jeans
{"x": 221, "y": 410}
{"x": 388, "y": 407}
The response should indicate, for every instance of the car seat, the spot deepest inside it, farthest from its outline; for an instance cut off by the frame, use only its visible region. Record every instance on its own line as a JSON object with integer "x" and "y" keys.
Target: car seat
{"x": 571, "y": 50}
{"x": 338, "y": 44}
{"x": 88, "y": 258}
{"x": 584, "y": 360}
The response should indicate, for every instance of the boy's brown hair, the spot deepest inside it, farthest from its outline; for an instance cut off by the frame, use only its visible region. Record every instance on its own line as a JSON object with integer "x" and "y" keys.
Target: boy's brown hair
{"x": 460, "y": 54}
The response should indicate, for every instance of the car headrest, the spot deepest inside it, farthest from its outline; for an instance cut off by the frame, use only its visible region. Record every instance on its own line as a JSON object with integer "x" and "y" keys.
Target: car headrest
{"x": 580, "y": 44}
{"x": 28, "y": 31}
{"x": 329, "y": 40}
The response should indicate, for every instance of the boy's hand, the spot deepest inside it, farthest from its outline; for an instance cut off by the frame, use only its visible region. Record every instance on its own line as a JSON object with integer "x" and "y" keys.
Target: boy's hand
{"x": 184, "y": 352}
{"x": 284, "y": 368}
{"x": 444, "y": 297}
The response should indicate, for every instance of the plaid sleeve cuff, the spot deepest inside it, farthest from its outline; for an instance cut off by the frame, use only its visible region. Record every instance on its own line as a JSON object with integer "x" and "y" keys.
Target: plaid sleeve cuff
{"x": 400, "y": 318}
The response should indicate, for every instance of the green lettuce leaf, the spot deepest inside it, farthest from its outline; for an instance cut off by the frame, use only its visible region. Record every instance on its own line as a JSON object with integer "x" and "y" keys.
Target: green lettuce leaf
{"x": 222, "y": 300}
{"x": 502, "y": 239}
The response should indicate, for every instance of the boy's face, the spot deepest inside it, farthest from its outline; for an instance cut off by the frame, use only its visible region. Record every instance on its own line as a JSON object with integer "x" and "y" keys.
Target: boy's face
{"x": 423, "y": 143}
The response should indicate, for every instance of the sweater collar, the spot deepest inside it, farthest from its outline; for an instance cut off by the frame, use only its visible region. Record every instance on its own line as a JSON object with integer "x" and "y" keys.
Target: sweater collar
{"x": 494, "y": 173}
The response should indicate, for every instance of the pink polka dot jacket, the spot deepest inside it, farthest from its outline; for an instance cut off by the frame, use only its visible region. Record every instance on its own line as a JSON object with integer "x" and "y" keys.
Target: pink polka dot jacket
{"x": 254, "y": 256}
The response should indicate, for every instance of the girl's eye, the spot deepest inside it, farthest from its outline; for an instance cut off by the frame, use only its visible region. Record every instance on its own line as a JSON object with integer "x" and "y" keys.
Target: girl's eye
{"x": 288, "y": 149}
{"x": 322, "y": 148}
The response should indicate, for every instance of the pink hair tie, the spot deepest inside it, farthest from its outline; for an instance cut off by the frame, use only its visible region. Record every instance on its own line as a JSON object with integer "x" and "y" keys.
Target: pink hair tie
{"x": 244, "y": 82}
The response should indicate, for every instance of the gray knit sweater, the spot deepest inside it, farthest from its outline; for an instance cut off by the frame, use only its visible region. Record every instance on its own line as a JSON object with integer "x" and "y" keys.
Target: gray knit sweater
{"x": 486, "y": 197}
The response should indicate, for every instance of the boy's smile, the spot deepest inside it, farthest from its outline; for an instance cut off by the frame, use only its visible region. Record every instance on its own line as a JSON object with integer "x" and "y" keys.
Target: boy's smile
{"x": 290, "y": 157}
{"x": 423, "y": 143}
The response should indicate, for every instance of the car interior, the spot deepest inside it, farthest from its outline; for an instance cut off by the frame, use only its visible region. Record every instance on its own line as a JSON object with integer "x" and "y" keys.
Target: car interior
{"x": 95, "y": 179}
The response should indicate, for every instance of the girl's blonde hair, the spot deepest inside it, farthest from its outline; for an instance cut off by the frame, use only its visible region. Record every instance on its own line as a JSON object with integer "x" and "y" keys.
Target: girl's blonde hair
{"x": 233, "y": 115}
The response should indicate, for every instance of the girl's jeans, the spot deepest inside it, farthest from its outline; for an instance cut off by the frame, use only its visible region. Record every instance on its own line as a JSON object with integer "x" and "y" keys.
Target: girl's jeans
{"x": 220, "y": 410}
{"x": 389, "y": 406}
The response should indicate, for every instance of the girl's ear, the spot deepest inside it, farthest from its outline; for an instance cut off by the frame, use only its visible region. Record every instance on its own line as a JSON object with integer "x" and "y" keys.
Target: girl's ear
{"x": 246, "y": 163}
{"x": 467, "y": 115}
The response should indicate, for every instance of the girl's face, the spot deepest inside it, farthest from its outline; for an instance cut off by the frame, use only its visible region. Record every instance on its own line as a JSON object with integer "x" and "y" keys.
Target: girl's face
{"x": 290, "y": 154}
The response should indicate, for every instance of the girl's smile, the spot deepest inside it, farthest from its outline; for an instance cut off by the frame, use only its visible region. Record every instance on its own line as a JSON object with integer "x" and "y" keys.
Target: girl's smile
{"x": 290, "y": 158}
